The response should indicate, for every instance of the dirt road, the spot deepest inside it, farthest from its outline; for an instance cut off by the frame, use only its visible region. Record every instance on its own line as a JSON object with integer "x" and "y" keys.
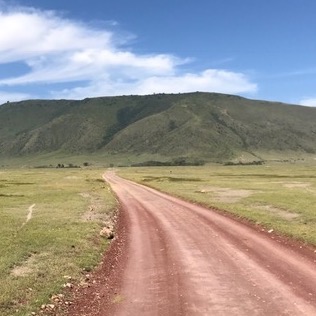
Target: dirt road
{"x": 183, "y": 259}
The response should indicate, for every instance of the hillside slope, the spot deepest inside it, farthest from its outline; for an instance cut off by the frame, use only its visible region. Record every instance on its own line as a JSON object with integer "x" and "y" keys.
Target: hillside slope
{"x": 194, "y": 125}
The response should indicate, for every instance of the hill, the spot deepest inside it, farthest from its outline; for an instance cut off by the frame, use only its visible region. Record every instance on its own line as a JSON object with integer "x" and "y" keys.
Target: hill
{"x": 164, "y": 127}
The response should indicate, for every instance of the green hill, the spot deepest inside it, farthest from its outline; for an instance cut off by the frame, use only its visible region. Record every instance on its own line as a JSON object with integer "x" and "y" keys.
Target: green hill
{"x": 206, "y": 126}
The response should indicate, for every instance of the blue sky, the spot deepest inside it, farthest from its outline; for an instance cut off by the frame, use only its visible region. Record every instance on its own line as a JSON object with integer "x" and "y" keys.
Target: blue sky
{"x": 76, "y": 49}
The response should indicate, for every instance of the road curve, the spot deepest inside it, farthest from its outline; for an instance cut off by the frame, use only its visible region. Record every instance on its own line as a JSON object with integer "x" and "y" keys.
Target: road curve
{"x": 183, "y": 259}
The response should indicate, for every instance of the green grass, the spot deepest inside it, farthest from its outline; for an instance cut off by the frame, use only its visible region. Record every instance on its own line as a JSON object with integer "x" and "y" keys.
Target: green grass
{"x": 281, "y": 197}
{"x": 58, "y": 240}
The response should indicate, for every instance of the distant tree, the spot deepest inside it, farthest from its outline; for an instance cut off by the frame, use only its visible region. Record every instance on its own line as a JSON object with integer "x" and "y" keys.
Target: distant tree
{"x": 180, "y": 161}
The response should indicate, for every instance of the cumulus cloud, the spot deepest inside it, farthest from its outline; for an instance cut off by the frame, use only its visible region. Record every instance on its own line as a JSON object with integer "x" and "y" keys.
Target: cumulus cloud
{"x": 221, "y": 81}
{"x": 30, "y": 33}
{"x": 308, "y": 102}
{"x": 59, "y": 50}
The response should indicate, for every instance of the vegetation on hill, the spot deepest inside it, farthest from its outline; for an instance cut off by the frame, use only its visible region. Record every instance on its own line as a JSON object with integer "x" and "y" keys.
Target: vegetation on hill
{"x": 203, "y": 126}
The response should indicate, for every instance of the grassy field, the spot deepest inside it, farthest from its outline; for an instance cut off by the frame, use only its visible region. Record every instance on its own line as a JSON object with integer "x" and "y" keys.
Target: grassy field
{"x": 51, "y": 218}
{"x": 50, "y": 224}
{"x": 281, "y": 197}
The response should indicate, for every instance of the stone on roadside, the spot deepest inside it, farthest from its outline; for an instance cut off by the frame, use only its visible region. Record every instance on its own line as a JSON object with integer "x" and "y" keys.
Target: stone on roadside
{"x": 107, "y": 233}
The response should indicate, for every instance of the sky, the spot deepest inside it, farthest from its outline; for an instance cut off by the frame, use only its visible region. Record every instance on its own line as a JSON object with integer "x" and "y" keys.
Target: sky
{"x": 57, "y": 49}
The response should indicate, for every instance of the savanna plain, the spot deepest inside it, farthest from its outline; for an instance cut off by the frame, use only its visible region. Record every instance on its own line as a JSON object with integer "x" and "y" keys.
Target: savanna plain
{"x": 51, "y": 218}
{"x": 50, "y": 224}
{"x": 279, "y": 197}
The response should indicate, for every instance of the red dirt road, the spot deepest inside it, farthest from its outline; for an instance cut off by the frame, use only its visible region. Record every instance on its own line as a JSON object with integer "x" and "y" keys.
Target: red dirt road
{"x": 182, "y": 259}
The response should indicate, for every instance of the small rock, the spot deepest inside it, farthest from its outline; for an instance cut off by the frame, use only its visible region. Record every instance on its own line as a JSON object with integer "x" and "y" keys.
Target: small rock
{"x": 270, "y": 231}
{"x": 69, "y": 285}
{"x": 107, "y": 233}
{"x": 83, "y": 284}
{"x": 54, "y": 298}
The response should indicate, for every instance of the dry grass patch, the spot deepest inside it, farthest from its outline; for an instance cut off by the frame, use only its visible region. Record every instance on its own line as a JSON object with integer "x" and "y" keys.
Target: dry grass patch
{"x": 227, "y": 195}
{"x": 95, "y": 211}
{"x": 29, "y": 266}
{"x": 297, "y": 185}
{"x": 279, "y": 212}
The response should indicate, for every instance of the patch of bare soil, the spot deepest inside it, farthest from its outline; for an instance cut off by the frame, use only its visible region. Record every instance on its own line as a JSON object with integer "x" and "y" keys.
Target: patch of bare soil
{"x": 279, "y": 212}
{"x": 95, "y": 211}
{"x": 299, "y": 185}
{"x": 22, "y": 270}
{"x": 85, "y": 195}
{"x": 27, "y": 267}
{"x": 29, "y": 215}
{"x": 227, "y": 195}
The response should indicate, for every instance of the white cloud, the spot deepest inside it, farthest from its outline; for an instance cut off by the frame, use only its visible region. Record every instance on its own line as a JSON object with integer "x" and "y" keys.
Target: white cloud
{"x": 91, "y": 63}
{"x": 58, "y": 50}
{"x": 209, "y": 80}
{"x": 29, "y": 33}
{"x": 221, "y": 81}
{"x": 12, "y": 97}
{"x": 308, "y": 102}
